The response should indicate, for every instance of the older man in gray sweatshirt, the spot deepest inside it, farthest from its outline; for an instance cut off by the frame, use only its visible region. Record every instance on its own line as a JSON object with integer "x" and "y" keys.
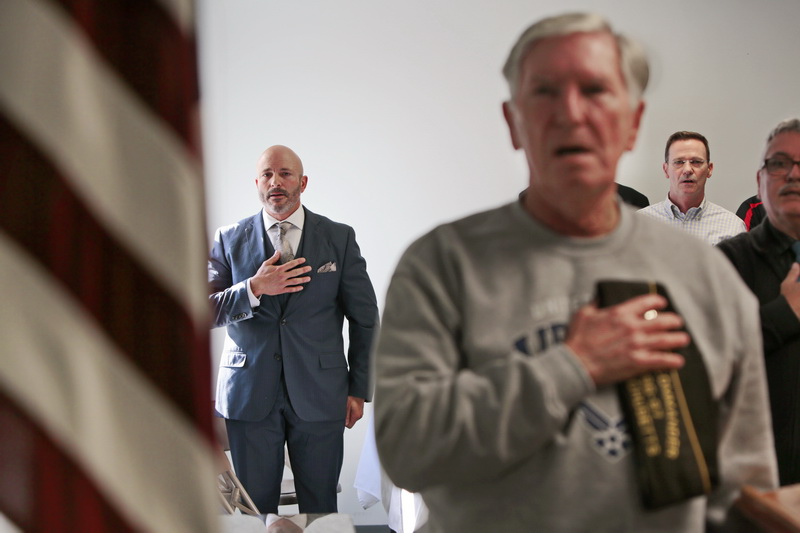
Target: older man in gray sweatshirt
{"x": 498, "y": 375}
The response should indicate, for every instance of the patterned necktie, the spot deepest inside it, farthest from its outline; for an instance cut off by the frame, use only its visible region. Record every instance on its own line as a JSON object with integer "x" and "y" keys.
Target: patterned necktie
{"x": 281, "y": 242}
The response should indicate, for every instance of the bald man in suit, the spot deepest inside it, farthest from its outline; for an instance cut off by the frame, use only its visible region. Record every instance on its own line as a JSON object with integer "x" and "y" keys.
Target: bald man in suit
{"x": 283, "y": 378}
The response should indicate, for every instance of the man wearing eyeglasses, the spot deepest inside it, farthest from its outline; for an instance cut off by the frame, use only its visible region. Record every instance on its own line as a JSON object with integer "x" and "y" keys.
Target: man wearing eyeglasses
{"x": 766, "y": 258}
{"x": 687, "y": 166}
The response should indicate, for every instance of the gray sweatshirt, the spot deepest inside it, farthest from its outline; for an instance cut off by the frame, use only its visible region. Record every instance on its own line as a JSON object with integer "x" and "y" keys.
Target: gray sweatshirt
{"x": 482, "y": 408}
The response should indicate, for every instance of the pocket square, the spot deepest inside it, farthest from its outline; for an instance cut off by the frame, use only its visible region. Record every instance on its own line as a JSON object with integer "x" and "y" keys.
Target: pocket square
{"x": 330, "y": 266}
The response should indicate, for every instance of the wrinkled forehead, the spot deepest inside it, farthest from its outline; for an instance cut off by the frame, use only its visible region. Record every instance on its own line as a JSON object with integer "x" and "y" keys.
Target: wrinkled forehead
{"x": 555, "y": 56}
{"x": 555, "y": 43}
{"x": 687, "y": 147}
{"x": 787, "y": 142}
{"x": 277, "y": 159}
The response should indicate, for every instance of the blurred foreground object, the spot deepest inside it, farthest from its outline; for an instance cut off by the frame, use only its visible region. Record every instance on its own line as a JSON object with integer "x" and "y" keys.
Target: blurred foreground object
{"x": 104, "y": 370}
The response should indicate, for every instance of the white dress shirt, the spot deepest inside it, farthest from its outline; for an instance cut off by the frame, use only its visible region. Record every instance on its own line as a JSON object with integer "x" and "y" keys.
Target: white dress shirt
{"x": 293, "y": 234}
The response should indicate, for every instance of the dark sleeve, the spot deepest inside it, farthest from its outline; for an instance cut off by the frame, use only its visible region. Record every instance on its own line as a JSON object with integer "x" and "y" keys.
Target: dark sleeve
{"x": 745, "y": 206}
{"x": 631, "y": 196}
{"x": 779, "y": 324}
{"x": 361, "y": 309}
{"x": 752, "y": 212}
{"x": 229, "y": 301}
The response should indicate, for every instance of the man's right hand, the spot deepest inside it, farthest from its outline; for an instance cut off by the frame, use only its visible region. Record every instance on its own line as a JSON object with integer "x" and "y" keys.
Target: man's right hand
{"x": 273, "y": 279}
{"x": 790, "y": 288}
{"x": 619, "y": 342}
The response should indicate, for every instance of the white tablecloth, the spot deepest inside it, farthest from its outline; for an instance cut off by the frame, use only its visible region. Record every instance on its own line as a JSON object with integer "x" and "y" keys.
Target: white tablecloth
{"x": 328, "y": 523}
{"x": 406, "y": 511}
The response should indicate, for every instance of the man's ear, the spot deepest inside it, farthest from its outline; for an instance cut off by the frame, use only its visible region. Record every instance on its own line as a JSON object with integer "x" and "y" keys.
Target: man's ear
{"x": 758, "y": 185}
{"x": 665, "y": 166}
{"x": 508, "y": 113}
{"x": 303, "y": 183}
{"x": 637, "y": 120}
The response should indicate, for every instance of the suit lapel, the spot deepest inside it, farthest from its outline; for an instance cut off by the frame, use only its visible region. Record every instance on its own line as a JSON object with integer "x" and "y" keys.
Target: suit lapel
{"x": 259, "y": 247}
{"x": 309, "y": 248}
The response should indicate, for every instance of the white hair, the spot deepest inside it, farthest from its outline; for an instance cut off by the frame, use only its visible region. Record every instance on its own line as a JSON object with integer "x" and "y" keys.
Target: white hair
{"x": 633, "y": 61}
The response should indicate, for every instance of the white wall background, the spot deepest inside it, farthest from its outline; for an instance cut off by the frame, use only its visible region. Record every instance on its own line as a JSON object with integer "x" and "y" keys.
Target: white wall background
{"x": 394, "y": 108}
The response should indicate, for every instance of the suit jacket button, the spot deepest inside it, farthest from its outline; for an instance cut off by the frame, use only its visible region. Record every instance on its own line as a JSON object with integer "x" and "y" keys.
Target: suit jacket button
{"x": 278, "y": 357}
{"x": 283, "y": 322}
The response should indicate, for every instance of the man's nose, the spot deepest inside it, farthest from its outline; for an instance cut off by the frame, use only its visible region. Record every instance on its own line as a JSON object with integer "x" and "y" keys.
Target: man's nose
{"x": 570, "y": 106}
{"x": 687, "y": 168}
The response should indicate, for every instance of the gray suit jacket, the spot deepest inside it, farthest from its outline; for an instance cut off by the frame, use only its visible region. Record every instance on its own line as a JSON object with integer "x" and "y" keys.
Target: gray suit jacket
{"x": 300, "y": 333}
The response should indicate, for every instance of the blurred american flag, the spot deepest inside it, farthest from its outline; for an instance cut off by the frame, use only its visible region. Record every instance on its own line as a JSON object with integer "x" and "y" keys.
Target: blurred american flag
{"x": 104, "y": 367}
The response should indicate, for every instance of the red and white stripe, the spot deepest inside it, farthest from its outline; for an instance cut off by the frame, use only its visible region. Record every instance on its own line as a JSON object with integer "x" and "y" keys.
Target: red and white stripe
{"x": 104, "y": 366}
